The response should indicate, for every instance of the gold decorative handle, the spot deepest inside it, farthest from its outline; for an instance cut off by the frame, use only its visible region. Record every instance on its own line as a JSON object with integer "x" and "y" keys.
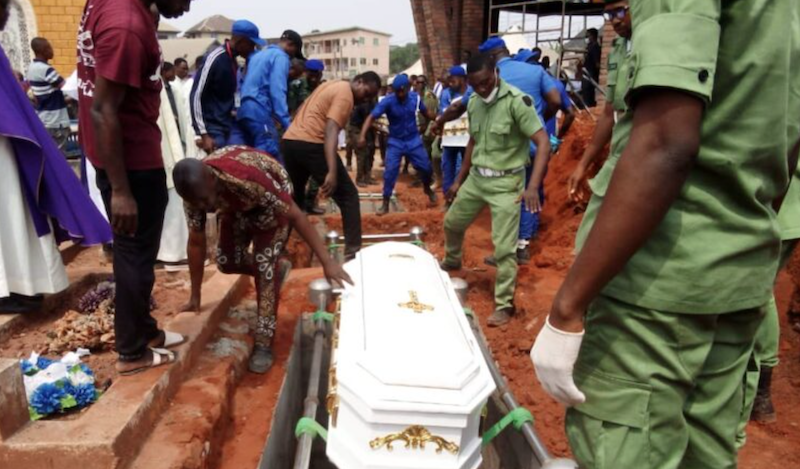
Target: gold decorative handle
{"x": 414, "y": 437}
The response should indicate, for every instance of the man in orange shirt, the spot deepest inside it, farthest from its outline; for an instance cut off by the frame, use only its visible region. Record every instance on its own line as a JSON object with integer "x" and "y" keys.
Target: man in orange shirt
{"x": 310, "y": 144}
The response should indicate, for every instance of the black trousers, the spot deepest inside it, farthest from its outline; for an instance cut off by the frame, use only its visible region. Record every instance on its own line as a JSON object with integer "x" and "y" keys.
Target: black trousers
{"x": 306, "y": 160}
{"x": 134, "y": 259}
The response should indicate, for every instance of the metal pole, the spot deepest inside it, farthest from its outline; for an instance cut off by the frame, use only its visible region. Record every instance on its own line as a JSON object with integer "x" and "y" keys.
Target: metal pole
{"x": 319, "y": 294}
{"x": 543, "y": 457}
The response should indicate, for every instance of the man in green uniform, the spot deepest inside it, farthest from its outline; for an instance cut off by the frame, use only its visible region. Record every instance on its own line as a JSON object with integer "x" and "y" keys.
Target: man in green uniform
{"x": 431, "y": 102}
{"x": 680, "y": 243}
{"x": 502, "y": 123}
{"x": 618, "y": 13}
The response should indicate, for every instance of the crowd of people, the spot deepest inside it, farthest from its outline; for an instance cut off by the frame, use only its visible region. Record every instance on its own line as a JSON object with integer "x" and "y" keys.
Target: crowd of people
{"x": 664, "y": 334}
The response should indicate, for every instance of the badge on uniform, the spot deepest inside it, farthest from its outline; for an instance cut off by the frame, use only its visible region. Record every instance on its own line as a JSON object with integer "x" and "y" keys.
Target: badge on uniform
{"x": 527, "y": 100}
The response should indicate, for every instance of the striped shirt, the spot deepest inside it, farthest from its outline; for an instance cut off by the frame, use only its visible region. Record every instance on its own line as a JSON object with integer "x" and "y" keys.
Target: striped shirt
{"x": 46, "y": 86}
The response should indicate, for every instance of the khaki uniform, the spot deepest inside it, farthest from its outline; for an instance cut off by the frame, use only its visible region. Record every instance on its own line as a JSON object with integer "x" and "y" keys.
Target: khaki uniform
{"x": 668, "y": 341}
{"x": 501, "y": 132}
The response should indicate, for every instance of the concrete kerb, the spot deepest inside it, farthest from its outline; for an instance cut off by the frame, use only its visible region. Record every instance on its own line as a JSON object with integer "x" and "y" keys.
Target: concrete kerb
{"x": 109, "y": 434}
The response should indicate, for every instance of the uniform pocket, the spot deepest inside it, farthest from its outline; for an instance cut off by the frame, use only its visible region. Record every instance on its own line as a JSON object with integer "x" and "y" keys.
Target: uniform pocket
{"x": 611, "y": 429}
{"x": 499, "y": 133}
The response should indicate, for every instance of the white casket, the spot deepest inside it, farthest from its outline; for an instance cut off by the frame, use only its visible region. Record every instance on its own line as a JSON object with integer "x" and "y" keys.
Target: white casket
{"x": 456, "y": 132}
{"x": 408, "y": 381}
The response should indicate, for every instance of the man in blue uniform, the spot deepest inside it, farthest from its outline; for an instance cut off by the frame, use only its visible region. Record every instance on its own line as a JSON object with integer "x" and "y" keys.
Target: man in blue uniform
{"x": 453, "y": 155}
{"x": 213, "y": 93}
{"x": 401, "y": 108}
{"x": 265, "y": 94}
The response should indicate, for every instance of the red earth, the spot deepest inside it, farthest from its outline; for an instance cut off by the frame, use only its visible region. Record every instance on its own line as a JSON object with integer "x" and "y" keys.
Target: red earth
{"x": 768, "y": 446}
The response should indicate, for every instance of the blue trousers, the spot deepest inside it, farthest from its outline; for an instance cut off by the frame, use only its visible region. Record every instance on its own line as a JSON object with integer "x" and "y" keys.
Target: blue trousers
{"x": 451, "y": 165}
{"x": 264, "y": 137}
{"x": 412, "y": 149}
{"x": 529, "y": 222}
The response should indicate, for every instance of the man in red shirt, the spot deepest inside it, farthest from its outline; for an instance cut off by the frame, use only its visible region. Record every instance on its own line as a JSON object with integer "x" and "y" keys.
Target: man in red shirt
{"x": 119, "y": 62}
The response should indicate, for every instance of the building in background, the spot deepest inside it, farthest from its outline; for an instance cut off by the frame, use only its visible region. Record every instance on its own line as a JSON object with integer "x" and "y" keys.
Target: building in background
{"x": 349, "y": 51}
{"x": 188, "y": 49}
{"x": 167, "y": 31}
{"x": 214, "y": 27}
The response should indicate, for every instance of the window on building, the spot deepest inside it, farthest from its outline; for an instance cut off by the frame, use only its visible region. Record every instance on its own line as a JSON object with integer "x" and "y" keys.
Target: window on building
{"x": 376, "y": 42}
{"x": 327, "y": 63}
{"x": 374, "y": 61}
{"x": 361, "y": 40}
{"x": 363, "y": 61}
{"x": 352, "y": 62}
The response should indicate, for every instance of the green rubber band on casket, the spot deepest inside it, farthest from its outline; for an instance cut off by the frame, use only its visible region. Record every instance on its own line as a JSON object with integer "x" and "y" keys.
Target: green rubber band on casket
{"x": 322, "y": 315}
{"x": 519, "y": 417}
{"x": 469, "y": 313}
{"x": 307, "y": 426}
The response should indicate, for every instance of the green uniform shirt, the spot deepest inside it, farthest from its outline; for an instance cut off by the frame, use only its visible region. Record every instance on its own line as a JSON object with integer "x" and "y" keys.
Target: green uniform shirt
{"x": 297, "y": 94}
{"x": 503, "y": 129}
{"x": 618, "y": 72}
{"x": 431, "y": 102}
{"x": 717, "y": 249}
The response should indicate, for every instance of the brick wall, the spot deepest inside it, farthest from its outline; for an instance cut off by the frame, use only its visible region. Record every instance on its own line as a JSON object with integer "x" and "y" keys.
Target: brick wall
{"x": 57, "y": 21}
{"x": 445, "y": 29}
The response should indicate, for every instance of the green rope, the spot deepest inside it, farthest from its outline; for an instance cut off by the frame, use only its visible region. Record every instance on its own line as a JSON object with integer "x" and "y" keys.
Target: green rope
{"x": 469, "y": 313}
{"x": 519, "y": 417}
{"x": 323, "y": 315}
{"x": 307, "y": 426}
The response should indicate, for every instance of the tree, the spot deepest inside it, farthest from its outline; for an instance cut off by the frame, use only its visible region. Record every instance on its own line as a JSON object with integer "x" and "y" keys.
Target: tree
{"x": 402, "y": 57}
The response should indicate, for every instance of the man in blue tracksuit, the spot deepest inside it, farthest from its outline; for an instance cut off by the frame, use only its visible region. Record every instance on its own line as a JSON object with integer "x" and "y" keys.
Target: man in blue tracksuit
{"x": 213, "y": 94}
{"x": 452, "y": 155}
{"x": 401, "y": 108}
{"x": 265, "y": 94}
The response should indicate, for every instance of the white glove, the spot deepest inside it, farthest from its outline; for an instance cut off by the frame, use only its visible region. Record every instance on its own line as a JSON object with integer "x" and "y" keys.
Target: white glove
{"x": 553, "y": 355}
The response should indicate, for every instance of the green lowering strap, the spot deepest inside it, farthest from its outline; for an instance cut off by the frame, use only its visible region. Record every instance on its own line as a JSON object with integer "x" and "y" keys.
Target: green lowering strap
{"x": 307, "y": 426}
{"x": 324, "y": 315}
{"x": 469, "y": 313}
{"x": 518, "y": 417}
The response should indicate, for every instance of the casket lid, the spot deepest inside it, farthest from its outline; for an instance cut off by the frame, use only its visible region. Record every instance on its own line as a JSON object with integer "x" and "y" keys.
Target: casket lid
{"x": 404, "y": 336}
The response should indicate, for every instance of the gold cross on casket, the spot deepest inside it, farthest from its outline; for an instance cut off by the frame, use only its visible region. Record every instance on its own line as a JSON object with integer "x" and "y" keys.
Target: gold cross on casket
{"x": 415, "y": 305}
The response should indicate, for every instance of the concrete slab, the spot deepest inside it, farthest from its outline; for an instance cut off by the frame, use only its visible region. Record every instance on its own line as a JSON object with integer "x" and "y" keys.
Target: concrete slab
{"x": 110, "y": 433}
{"x": 13, "y": 403}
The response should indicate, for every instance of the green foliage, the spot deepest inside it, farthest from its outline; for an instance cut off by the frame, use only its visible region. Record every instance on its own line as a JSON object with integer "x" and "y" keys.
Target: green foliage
{"x": 402, "y": 57}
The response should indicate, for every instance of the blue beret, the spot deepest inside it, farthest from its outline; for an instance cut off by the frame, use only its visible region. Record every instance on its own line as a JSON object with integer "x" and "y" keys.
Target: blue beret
{"x": 457, "y": 71}
{"x": 315, "y": 65}
{"x": 492, "y": 43}
{"x": 523, "y": 55}
{"x": 400, "y": 81}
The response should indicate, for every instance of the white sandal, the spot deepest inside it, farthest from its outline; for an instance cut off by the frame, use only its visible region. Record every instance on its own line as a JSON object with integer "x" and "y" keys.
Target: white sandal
{"x": 160, "y": 357}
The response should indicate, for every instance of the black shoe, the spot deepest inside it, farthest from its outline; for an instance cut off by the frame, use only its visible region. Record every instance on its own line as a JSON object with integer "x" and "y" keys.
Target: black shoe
{"x": 490, "y": 261}
{"x": 501, "y": 317}
{"x": 416, "y": 183}
{"x": 523, "y": 256}
{"x": 315, "y": 210}
{"x": 431, "y": 195}
{"x": 362, "y": 183}
{"x": 763, "y": 410}
{"x": 261, "y": 360}
{"x": 384, "y": 207}
{"x": 449, "y": 267}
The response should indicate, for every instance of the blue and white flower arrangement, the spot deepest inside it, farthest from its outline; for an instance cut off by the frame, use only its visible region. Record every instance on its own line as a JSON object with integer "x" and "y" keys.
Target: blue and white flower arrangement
{"x": 55, "y": 387}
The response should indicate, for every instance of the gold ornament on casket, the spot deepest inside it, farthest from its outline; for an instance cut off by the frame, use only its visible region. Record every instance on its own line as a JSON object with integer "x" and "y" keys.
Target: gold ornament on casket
{"x": 414, "y": 304}
{"x": 415, "y": 437}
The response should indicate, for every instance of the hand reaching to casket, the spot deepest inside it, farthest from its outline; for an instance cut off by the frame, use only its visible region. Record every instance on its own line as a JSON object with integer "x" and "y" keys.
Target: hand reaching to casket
{"x": 336, "y": 274}
{"x": 553, "y": 355}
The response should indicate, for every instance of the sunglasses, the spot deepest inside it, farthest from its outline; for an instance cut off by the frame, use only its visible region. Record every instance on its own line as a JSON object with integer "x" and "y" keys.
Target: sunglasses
{"x": 618, "y": 13}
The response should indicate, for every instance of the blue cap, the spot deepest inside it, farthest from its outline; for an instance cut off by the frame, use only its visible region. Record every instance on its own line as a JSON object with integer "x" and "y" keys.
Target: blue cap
{"x": 247, "y": 29}
{"x": 315, "y": 65}
{"x": 400, "y": 81}
{"x": 523, "y": 55}
{"x": 493, "y": 42}
{"x": 458, "y": 71}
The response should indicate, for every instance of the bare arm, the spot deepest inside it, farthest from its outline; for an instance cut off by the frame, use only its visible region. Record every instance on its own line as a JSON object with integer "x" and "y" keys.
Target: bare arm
{"x": 531, "y": 195}
{"x": 196, "y": 252}
{"x": 553, "y": 100}
{"x": 453, "y": 112}
{"x": 108, "y": 97}
{"x": 569, "y": 118}
{"x": 364, "y": 129}
{"x": 333, "y": 271}
{"x": 332, "y": 130}
{"x": 651, "y": 172}
{"x": 602, "y": 135}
